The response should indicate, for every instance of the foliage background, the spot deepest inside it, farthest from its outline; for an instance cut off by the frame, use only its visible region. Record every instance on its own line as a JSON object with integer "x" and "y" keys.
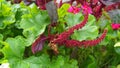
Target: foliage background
{"x": 20, "y": 25}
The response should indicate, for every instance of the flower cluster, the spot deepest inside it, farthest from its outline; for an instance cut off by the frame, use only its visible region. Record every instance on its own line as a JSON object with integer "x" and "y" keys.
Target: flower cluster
{"x": 115, "y": 26}
{"x": 86, "y": 8}
{"x": 74, "y": 9}
{"x": 96, "y": 6}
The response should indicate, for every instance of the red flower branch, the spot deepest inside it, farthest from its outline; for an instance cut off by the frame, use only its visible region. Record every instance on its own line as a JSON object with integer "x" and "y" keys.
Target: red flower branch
{"x": 65, "y": 35}
{"x": 73, "y": 43}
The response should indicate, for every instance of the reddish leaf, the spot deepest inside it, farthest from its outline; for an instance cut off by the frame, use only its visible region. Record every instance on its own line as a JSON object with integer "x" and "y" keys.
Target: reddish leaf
{"x": 38, "y": 44}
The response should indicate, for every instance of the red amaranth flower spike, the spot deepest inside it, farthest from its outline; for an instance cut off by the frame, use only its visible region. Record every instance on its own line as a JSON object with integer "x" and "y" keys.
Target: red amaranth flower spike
{"x": 73, "y": 43}
{"x": 96, "y": 41}
{"x": 65, "y": 35}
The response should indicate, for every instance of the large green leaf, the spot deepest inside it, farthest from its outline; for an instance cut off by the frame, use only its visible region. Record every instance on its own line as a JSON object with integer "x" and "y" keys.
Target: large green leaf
{"x": 14, "y": 47}
{"x": 34, "y": 24}
{"x": 21, "y": 9}
{"x": 31, "y": 62}
{"x": 89, "y": 31}
{"x": 13, "y": 51}
{"x": 73, "y": 19}
{"x": 42, "y": 61}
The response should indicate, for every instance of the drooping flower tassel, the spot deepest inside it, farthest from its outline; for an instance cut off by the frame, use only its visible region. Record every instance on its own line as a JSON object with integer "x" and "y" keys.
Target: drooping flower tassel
{"x": 96, "y": 41}
{"x": 73, "y": 43}
{"x": 65, "y": 35}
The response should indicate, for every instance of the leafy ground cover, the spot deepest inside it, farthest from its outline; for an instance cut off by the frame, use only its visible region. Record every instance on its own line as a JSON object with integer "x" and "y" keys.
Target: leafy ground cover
{"x": 86, "y": 35}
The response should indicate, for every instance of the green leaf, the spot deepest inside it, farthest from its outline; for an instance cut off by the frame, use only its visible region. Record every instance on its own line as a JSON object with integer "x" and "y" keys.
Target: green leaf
{"x": 7, "y": 17}
{"x": 118, "y": 33}
{"x": 62, "y": 11}
{"x": 1, "y": 40}
{"x": 117, "y": 44}
{"x": 42, "y": 61}
{"x": 1, "y": 37}
{"x": 73, "y": 19}
{"x": 34, "y": 24}
{"x": 103, "y": 22}
{"x": 58, "y": 62}
{"x": 34, "y": 8}
{"x": 89, "y": 31}
{"x": 93, "y": 63}
{"x": 70, "y": 64}
{"x": 117, "y": 47}
{"x": 14, "y": 48}
{"x": 65, "y": 62}
{"x": 1, "y": 0}
{"x": 118, "y": 66}
{"x": 18, "y": 63}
